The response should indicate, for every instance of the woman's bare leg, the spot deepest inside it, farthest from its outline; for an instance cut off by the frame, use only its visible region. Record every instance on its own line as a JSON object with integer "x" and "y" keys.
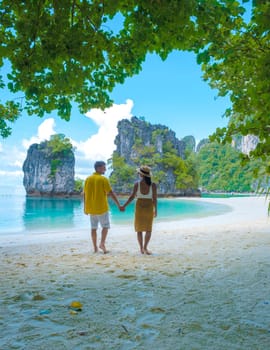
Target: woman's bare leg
{"x": 140, "y": 241}
{"x": 146, "y": 241}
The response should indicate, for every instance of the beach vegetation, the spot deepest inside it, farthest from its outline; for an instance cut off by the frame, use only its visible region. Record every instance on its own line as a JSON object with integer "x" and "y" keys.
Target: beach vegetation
{"x": 78, "y": 185}
{"x": 220, "y": 169}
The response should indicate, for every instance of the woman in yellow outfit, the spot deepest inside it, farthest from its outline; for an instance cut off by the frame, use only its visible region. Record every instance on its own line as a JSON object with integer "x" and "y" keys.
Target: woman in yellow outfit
{"x": 146, "y": 207}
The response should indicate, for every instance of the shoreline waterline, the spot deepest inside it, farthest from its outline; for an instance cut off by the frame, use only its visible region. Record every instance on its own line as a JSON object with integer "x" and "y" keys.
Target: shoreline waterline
{"x": 20, "y": 214}
{"x": 233, "y": 216}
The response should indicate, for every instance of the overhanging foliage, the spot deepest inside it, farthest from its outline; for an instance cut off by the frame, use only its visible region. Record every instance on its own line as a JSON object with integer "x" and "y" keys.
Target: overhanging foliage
{"x": 68, "y": 51}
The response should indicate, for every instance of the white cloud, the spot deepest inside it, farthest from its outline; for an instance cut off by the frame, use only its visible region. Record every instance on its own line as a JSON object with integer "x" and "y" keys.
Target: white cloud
{"x": 45, "y": 130}
{"x": 6, "y": 173}
{"x": 13, "y": 157}
{"x": 98, "y": 146}
{"x": 101, "y": 145}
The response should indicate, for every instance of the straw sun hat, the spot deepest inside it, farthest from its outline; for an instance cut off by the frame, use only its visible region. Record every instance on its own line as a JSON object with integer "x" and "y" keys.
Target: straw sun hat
{"x": 144, "y": 170}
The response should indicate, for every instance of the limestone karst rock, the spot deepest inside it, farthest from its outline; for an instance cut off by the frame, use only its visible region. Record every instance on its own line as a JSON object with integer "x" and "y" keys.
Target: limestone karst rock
{"x": 135, "y": 137}
{"x": 40, "y": 179}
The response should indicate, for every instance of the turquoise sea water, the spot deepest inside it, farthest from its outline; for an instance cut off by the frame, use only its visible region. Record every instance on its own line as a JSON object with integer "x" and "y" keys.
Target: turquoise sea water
{"x": 19, "y": 213}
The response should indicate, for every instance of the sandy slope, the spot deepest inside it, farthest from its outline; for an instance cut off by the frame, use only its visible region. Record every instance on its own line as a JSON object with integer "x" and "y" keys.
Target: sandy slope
{"x": 207, "y": 286}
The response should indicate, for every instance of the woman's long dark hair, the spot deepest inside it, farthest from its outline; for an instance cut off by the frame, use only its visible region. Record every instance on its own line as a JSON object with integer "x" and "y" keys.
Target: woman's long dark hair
{"x": 148, "y": 180}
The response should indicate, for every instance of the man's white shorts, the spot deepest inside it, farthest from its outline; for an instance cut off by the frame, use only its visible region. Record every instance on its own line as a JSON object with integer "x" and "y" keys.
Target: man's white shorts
{"x": 103, "y": 220}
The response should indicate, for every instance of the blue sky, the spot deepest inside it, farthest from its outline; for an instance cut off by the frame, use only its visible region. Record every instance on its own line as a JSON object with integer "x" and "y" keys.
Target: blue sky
{"x": 170, "y": 93}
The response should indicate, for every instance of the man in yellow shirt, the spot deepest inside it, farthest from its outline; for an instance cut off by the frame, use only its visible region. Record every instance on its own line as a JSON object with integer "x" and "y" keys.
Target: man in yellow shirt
{"x": 97, "y": 188}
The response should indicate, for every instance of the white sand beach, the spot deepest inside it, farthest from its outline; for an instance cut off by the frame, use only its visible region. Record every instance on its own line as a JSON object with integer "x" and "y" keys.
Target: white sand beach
{"x": 206, "y": 286}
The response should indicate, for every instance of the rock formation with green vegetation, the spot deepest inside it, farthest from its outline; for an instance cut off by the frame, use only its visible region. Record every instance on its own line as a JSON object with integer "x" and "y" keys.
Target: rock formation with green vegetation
{"x": 49, "y": 168}
{"x": 220, "y": 170}
{"x": 179, "y": 167}
{"x": 141, "y": 143}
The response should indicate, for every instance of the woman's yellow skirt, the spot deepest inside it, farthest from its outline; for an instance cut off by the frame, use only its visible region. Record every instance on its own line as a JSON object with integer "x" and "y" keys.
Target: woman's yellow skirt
{"x": 144, "y": 215}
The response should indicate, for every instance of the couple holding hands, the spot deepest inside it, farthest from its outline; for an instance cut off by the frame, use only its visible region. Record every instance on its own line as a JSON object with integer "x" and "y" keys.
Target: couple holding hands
{"x": 97, "y": 188}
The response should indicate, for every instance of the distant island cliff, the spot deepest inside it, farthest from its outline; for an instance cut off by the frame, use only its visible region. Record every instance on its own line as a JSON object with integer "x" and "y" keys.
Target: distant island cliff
{"x": 180, "y": 168}
{"x": 139, "y": 142}
{"x": 49, "y": 168}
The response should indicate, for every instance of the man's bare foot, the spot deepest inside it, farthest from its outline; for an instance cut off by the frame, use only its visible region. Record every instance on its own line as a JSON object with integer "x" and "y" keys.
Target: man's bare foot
{"x": 146, "y": 251}
{"x": 142, "y": 251}
{"x": 102, "y": 247}
{"x": 96, "y": 250}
